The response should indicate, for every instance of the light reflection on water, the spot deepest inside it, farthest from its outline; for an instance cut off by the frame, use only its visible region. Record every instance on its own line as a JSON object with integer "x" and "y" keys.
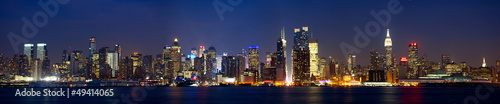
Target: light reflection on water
{"x": 231, "y": 95}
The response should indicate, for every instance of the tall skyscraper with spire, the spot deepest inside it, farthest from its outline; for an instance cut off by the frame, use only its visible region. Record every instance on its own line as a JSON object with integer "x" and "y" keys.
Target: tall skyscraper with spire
{"x": 388, "y": 50}
{"x": 281, "y": 69}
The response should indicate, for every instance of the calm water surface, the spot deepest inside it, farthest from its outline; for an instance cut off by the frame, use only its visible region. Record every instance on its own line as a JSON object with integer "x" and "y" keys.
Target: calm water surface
{"x": 255, "y": 95}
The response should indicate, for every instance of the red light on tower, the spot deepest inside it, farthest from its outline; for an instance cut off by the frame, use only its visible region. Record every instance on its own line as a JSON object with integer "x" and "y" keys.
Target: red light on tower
{"x": 413, "y": 44}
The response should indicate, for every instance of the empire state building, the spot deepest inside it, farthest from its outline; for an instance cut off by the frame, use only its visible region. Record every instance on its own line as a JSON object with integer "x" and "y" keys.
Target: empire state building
{"x": 388, "y": 50}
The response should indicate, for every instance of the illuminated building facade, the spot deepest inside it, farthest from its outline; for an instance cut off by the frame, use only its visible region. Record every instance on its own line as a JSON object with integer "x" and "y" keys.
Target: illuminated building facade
{"x": 351, "y": 64}
{"x": 29, "y": 52}
{"x": 413, "y": 60}
{"x": 301, "y": 71}
{"x": 301, "y": 36}
{"x": 268, "y": 59}
{"x": 136, "y": 59}
{"x": 42, "y": 55}
{"x": 92, "y": 46}
{"x": 211, "y": 63}
{"x": 176, "y": 58}
{"x": 253, "y": 59}
{"x": 322, "y": 67}
{"x": 314, "y": 59}
{"x": 388, "y": 52}
{"x": 112, "y": 60}
{"x": 374, "y": 60}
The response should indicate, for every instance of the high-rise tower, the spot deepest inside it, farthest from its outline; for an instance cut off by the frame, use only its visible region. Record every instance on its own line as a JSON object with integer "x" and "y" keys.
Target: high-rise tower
{"x": 413, "y": 57}
{"x": 301, "y": 35}
{"x": 281, "y": 68}
{"x": 388, "y": 51}
{"x": 253, "y": 59}
{"x": 92, "y": 47}
{"x": 314, "y": 59}
{"x": 29, "y": 51}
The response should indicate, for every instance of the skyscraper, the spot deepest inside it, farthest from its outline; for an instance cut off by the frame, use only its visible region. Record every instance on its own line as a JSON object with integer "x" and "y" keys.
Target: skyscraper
{"x": 41, "y": 50}
{"x": 301, "y": 36}
{"x": 147, "y": 64}
{"x": 29, "y": 52}
{"x": 268, "y": 59}
{"x": 301, "y": 71}
{"x": 103, "y": 71}
{"x": 118, "y": 50}
{"x": 253, "y": 58}
{"x": 42, "y": 55}
{"x": 241, "y": 66}
{"x": 388, "y": 52}
{"x": 92, "y": 46}
{"x": 136, "y": 63}
{"x": 374, "y": 60}
{"x": 314, "y": 59}
{"x": 351, "y": 64}
{"x": 78, "y": 64}
{"x": 231, "y": 66}
{"x": 403, "y": 69}
{"x": 201, "y": 50}
{"x": 413, "y": 59}
{"x": 322, "y": 67}
{"x": 281, "y": 68}
{"x": 176, "y": 57}
{"x": 112, "y": 60}
{"x": 211, "y": 63}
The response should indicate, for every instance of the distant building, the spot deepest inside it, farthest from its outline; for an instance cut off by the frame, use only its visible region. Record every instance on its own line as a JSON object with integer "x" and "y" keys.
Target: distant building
{"x": 445, "y": 60}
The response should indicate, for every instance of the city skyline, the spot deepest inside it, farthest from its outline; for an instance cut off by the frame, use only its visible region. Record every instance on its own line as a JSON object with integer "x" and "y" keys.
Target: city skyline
{"x": 149, "y": 39}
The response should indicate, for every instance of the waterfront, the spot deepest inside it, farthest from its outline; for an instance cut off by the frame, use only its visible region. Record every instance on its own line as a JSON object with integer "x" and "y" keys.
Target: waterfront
{"x": 231, "y": 95}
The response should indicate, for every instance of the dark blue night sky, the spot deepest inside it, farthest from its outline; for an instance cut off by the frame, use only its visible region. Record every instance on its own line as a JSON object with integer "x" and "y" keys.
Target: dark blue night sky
{"x": 467, "y": 30}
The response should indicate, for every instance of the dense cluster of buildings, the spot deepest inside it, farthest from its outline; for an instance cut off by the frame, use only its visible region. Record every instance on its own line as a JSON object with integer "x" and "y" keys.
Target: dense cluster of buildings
{"x": 211, "y": 67}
